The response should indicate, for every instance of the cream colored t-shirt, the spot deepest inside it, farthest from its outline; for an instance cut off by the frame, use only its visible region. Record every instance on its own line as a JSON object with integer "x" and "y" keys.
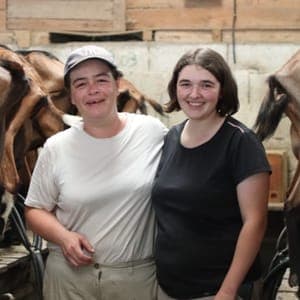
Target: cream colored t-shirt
{"x": 101, "y": 187}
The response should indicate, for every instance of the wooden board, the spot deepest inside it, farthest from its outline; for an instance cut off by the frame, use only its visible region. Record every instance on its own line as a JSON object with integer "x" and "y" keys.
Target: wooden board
{"x": 184, "y": 18}
{"x": 262, "y": 36}
{"x": 131, "y": 4}
{"x": 184, "y": 36}
{"x": 51, "y": 15}
{"x": 149, "y": 4}
{"x": 225, "y": 36}
{"x": 278, "y": 185}
{"x": 214, "y": 14}
{"x": 3, "y": 4}
{"x": 2, "y": 20}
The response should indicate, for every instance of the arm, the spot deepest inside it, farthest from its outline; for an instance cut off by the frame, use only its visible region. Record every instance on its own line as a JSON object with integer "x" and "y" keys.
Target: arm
{"x": 73, "y": 245}
{"x": 253, "y": 201}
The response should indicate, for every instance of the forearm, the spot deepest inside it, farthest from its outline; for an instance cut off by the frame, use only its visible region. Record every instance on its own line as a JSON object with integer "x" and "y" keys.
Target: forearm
{"x": 75, "y": 247}
{"x": 246, "y": 250}
{"x": 45, "y": 224}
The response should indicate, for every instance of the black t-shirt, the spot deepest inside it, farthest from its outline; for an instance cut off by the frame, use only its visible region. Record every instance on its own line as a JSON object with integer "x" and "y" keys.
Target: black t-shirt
{"x": 198, "y": 215}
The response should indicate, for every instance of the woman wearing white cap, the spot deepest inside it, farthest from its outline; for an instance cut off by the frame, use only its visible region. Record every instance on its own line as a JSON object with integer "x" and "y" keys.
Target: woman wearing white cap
{"x": 89, "y": 195}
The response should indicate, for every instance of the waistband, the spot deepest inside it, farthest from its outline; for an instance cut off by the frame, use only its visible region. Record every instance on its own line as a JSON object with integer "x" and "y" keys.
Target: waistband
{"x": 133, "y": 263}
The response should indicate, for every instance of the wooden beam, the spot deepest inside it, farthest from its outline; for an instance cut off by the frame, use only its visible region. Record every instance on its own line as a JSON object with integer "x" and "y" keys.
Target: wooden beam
{"x": 283, "y": 17}
{"x": 40, "y": 38}
{"x": 7, "y": 37}
{"x": 3, "y": 4}
{"x": 216, "y": 35}
{"x": 2, "y": 20}
{"x": 186, "y": 18}
{"x": 206, "y": 18}
{"x": 118, "y": 16}
{"x": 104, "y": 15}
{"x": 146, "y": 4}
{"x": 59, "y": 25}
{"x": 149, "y": 4}
{"x": 61, "y": 9}
{"x": 23, "y": 38}
{"x": 183, "y": 36}
{"x": 262, "y": 36}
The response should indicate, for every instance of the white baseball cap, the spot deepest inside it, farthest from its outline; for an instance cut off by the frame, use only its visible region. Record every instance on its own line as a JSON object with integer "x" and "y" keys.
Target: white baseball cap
{"x": 88, "y": 52}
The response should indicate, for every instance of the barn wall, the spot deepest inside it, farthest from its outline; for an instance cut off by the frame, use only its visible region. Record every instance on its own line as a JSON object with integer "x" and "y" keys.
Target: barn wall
{"x": 158, "y": 20}
{"x": 253, "y": 20}
{"x": 149, "y": 65}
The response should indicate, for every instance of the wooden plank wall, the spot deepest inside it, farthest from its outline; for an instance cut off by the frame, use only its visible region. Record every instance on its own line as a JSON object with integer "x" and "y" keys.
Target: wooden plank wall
{"x": 86, "y": 15}
{"x": 34, "y": 19}
{"x": 2, "y": 15}
{"x": 159, "y": 20}
{"x": 210, "y": 14}
{"x": 212, "y": 20}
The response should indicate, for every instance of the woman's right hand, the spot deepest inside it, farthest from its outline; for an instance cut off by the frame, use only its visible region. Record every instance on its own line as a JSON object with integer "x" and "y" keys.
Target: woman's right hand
{"x": 77, "y": 249}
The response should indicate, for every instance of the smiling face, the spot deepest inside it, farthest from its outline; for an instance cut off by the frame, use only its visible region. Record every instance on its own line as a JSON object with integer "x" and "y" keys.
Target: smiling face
{"x": 94, "y": 91}
{"x": 198, "y": 92}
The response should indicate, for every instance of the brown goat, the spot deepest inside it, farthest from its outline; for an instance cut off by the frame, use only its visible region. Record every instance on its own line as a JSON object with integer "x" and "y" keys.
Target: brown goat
{"x": 283, "y": 96}
{"x": 44, "y": 104}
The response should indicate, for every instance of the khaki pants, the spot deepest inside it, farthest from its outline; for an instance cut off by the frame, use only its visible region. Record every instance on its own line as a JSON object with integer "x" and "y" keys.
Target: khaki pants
{"x": 130, "y": 281}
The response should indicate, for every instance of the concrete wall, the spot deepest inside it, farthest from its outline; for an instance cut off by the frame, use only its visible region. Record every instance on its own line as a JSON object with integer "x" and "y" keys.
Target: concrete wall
{"x": 149, "y": 65}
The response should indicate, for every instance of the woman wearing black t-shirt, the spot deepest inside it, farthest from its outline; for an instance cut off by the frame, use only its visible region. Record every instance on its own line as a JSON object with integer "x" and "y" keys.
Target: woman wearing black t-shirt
{"x": 211, "y": 190}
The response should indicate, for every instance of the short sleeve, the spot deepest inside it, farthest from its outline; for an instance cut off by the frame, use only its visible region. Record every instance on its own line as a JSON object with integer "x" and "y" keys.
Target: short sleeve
{"x": 248, "y": 157}
{"x": 43, "y": 191}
